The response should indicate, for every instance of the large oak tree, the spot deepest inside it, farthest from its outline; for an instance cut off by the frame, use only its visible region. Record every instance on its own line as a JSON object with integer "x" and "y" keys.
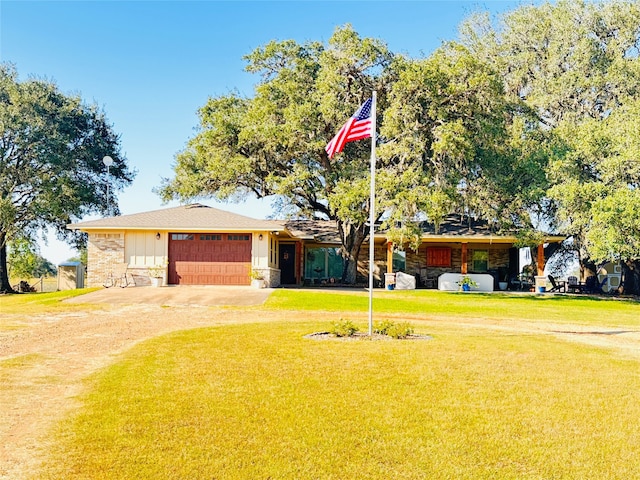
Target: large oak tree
{"x": 444, "y": 118}
{"x": 576, "y": 64}
{"x": 273, "y": 143}
{"x": 51, "y": 170}
{"x": 461, "y": 144}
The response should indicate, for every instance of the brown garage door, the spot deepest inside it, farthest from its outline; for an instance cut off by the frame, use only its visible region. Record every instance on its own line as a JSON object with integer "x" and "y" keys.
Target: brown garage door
{"x": 209, "y": 259}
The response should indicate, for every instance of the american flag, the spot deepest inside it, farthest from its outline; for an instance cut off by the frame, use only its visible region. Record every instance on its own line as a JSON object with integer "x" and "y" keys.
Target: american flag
{"x": 356, "y": 128}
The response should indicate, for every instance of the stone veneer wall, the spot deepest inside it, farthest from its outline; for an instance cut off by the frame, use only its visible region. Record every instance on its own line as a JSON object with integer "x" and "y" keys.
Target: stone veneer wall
{"x": 498, "y": 257}
{"x": 103, "y": 250}
{"x": 380, "y": 268}
{"x": 271, "y": 277}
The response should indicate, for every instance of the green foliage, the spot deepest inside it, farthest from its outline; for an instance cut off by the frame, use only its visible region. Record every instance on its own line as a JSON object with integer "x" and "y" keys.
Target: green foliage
{"x": 256, "y": 274}
{"x": 576, "y": 65}
{"x": 570, "y": 60}
{"x": 273, "y": 143}
{"x": 466, "y": 280}
{"x": 454, "y": 144}
{"x": 21, "y": 259}
{"x": 397, "y": 330}
{"x": 24, "y": 260}
{"x": 158, "y": 270}
{"x": 343, "y": 328}
{"x": 614, "y": 233}
{"x": 50, "y": 159}
{"x": 400, "y": 330}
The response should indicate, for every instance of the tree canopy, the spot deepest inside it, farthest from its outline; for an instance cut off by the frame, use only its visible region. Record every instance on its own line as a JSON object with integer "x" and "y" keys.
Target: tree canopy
{"x": 437, "y": 113}
{"x": 529, "y": 123}
{"x": 51, "y": 170}
{"x": 576, "y": 65}
{"x": 469, "y": 147}
{"x": 24, "y": 260}
{"x": 273, "y": 143}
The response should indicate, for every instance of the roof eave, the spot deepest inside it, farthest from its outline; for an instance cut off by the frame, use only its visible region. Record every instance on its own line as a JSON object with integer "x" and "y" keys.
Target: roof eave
{"x": 87, "y": 228}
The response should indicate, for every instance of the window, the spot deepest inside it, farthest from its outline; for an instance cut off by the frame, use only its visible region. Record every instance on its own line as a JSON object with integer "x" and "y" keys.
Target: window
{"x": 211, "y": 237}
{"x": 182, "y": 236}
{"x": 399, "y": 261}
{"x": 238, "y": 237}
{"x": 323, "y": 263}
{"x": 480, "y": 260}
{"x": 438, "y": 257}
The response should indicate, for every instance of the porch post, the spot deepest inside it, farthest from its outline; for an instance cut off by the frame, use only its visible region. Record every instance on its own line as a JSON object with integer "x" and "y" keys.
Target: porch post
{"x": 463, "y": 267}
{"x": 299, "y": 273}
{"x": 389, "y": 257}
{"x": 541, "y": 260}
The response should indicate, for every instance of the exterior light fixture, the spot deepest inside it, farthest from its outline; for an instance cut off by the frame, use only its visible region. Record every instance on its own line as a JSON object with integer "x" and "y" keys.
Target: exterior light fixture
{"x": 260, "y": 237}
{"x": 158, "y": 236}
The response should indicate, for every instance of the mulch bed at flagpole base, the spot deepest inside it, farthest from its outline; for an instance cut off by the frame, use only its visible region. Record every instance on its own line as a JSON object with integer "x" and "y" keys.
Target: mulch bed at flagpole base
{"x": 364, "y": 336}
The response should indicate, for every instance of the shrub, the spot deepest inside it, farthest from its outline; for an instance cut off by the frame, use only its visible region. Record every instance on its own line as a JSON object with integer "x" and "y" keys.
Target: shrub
{"x": 394, "y": 330}
{"x": 383, "y": 327}
{"x": 343, "y": 328}
{"x": 256, "y": 274}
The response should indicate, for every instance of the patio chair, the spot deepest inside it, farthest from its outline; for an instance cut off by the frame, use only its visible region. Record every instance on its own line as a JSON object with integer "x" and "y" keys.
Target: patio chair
{"x": 427, "y": 281}
{"x": 520, "y": 282}
{"x": 574, "y": 286}
{"x": 557, "y": 285}
{"x": 119, "y": 276}
{"x": 592, "y": 285}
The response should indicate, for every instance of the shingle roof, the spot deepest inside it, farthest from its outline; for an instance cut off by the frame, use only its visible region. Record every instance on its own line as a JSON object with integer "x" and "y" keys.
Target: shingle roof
{"x": 454, "y": 225}
{"x": 197, "y": 217}
{"x": 185, "y": 217}
{"x": 322, "y": 231}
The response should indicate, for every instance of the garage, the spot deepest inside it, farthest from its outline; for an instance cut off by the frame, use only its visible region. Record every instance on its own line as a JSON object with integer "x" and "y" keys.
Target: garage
{"x": 209, "y": 259}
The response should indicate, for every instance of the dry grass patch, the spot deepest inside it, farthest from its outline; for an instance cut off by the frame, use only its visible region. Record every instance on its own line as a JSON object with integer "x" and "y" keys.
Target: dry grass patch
{"x": 258, "y": 401}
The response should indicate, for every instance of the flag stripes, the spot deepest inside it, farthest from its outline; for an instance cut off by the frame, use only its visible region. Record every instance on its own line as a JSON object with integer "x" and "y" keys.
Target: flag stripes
{"x": 356, "y": 128}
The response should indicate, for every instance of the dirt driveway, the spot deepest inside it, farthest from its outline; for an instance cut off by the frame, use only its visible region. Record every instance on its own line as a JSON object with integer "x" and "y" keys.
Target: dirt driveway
{"x": 177, "y": 296}
{"x": 51, "y": 354}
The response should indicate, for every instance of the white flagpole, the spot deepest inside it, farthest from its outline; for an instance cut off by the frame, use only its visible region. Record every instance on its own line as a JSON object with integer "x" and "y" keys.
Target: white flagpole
{"x": 372, "y": 203}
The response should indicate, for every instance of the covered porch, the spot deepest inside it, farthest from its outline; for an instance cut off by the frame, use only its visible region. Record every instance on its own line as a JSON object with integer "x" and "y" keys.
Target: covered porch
{"x": 491, "y": 265}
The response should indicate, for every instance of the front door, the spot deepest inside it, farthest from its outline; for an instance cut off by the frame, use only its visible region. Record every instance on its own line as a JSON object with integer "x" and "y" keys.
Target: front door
{"x": 287, "y": 263}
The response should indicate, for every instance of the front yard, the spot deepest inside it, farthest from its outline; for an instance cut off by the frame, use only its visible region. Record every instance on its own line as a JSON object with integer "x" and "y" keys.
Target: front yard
{"x": 508, "y": 387}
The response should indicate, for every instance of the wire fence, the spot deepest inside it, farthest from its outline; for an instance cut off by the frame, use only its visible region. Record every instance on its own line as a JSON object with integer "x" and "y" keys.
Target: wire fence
{"x": 42, "y": 284}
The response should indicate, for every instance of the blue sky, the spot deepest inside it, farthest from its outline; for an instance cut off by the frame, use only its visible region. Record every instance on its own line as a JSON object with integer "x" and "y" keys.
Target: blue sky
{"x": 151, "y": 64}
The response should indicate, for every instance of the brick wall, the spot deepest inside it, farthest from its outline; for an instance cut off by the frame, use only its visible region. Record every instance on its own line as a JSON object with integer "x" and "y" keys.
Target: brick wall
{"x": 103, "y": 250}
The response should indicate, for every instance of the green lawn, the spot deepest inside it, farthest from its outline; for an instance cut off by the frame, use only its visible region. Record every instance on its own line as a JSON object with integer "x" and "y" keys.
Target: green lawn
{"x": 260, "y": 401}
{"x": 586, "y": 310}
{"x": 39, "y": 303}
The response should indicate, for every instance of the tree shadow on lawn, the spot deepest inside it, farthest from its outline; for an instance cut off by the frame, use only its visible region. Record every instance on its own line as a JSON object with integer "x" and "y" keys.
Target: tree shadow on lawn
{"x": 555, "y": 297}
{"x": 595, "y": 332}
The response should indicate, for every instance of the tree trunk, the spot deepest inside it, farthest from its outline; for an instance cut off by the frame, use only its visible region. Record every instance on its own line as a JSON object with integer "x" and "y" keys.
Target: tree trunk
{"x": 5, "y": 287}
{"x": 631, "y": 277}
{"x": 587, "y": 268}
{"x": 352, "y": 237}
